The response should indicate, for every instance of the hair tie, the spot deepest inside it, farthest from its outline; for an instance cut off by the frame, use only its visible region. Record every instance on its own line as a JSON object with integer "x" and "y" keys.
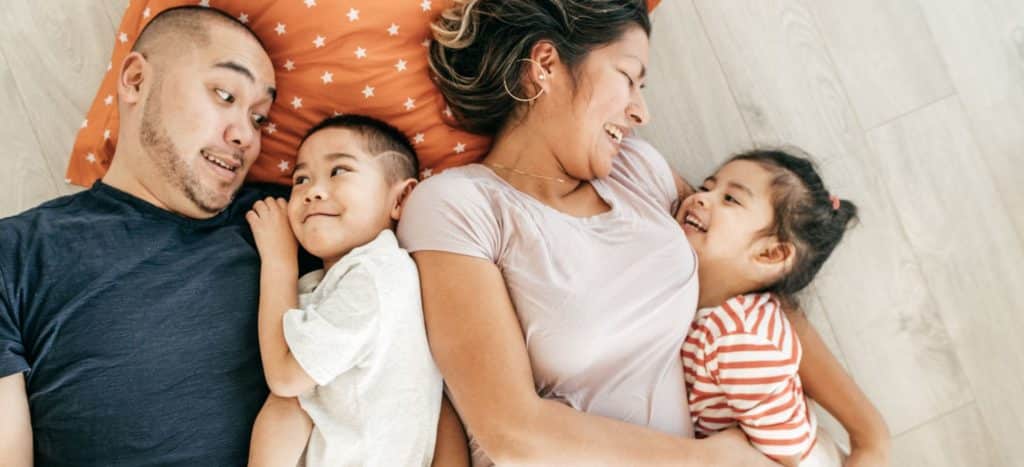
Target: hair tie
{"x": 835, "y": 202}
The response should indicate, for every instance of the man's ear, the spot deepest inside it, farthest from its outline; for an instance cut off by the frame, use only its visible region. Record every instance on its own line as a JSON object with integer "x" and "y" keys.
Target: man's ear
{"x": 134, "y": 71}
{"x": 398, "y": 196}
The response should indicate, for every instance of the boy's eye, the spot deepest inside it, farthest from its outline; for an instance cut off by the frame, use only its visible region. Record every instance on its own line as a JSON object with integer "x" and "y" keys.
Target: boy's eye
{"x": 300, "y": 180}
{"x": 224, "y": 95}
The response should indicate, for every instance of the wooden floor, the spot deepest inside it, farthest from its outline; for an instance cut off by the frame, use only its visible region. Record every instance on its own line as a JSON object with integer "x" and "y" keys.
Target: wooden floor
{"x": 913, "y": 108}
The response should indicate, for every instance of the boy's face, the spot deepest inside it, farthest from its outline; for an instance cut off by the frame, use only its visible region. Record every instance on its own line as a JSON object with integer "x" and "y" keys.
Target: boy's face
{"x": 725, "y": 219}
{"x": 341, "y": 198}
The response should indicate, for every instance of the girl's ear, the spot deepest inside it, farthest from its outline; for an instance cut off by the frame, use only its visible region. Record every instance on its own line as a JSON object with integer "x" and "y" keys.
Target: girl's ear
{"x": 774, "y": 257}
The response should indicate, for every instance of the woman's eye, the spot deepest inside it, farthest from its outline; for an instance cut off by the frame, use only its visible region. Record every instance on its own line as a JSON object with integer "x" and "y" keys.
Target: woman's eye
{"x": 629, "y": 79}
{"x": 224, "y": 95}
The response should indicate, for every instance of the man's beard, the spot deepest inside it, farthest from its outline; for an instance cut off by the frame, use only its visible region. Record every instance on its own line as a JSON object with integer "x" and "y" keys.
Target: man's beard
{"x": 169, "y": 163}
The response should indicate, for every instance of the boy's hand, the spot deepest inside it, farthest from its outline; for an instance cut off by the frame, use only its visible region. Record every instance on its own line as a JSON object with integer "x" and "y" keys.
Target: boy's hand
{"x": 272, "y": 232}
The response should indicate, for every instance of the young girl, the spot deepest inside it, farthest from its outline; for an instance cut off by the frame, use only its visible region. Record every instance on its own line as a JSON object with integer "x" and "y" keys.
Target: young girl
{"x": 762, "y": 227}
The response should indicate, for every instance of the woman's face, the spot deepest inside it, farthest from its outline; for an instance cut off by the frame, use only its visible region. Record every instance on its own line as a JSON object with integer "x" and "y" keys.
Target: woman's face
{"x": 587, "y": 118}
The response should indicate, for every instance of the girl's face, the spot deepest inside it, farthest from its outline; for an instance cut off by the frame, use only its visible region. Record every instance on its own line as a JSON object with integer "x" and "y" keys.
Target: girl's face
{"x": 726, "y": 219}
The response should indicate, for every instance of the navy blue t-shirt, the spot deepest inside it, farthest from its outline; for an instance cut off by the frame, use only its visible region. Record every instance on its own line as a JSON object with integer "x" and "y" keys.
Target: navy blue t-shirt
{"x": 136, "y": 327}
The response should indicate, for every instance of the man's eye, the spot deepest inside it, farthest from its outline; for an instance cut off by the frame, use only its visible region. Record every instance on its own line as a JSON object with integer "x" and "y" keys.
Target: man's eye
{"x": 224, "y": 95}
{"x": 259, "y": 120}
{"x": 338, "y": 171}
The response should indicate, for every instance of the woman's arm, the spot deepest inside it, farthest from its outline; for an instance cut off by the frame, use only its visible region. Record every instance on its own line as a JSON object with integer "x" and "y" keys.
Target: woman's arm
{"x": 452, "y": 447}
{"x": 478, "y": 345}
{"x": 280, "y": 433}
{"x": 827, "y": 383}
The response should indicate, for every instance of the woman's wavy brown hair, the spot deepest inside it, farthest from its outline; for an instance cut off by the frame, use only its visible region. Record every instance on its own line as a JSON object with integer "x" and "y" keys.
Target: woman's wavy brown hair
{"x": 479, "y": 46}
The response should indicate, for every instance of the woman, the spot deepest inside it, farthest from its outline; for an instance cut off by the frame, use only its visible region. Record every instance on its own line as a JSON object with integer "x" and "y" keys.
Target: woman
{"x": 557, "y": 286}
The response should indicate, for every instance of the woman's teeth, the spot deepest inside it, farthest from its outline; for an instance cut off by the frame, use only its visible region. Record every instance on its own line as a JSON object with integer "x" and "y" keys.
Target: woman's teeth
{"x": 614, "y": 132}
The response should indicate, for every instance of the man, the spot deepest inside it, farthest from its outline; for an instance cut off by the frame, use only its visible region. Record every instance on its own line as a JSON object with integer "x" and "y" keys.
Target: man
{"x": 128, "y": 311}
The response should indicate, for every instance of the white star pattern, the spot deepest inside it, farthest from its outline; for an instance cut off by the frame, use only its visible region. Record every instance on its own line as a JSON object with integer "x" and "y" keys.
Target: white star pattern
{"x": 336, "y": 114}
{"x": 91, "y": 158}
{"x": 360, "y": 53}
{"x": 271, "y": 128}
{"x": 310, "y": 3}
{"x": 353, "y": 15}
{"x": 297, "y": 102}
{"x": 319, "y": 41}
{"x": 400, "y": 66}
{"x": 146, "y": 12}
{"x": 425, "y": 43}
{"x": 106, "y": 135}
{"x": 85, "y": 123}
{"x": 447, "y": 111}
{"x": 327, "y": 77}
{"x": 280, "y": 28}
{"x": 110, "y": 65}
{"x": 419, "y": 138}
{"x": 289, "y": 65}
{"x": 426, "y": 173}
{"x": 368, "y": 91}
{"x": 122, "y": 38}
{"x": 108, "y": 100}
{"x": 205, "y": 3}
{"x": 243, "y": 18}
{"x": 393, "y": 30}
{"x": 283, "y": 166}
{"x": 460, "y": 148}
{"x": 410, "y": 103}
{"x": 426, "y": 5}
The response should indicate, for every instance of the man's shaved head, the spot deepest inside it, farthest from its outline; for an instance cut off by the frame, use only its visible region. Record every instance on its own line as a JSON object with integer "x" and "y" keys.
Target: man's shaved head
{"x": 186, "y": 26}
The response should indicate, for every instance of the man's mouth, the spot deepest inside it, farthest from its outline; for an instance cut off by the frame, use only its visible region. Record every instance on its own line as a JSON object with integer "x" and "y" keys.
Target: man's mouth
{"x": 226, "y": 162}
{"x": 615, "y": 132}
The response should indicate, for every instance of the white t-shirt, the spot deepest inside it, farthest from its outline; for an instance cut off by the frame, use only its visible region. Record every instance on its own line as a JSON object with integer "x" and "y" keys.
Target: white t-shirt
{"x": 604, "y": 301}
{"x": 360, "y": 335}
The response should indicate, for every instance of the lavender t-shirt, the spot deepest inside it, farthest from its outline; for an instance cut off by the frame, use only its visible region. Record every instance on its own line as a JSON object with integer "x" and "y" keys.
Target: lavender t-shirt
{"x": 604, "y": 302}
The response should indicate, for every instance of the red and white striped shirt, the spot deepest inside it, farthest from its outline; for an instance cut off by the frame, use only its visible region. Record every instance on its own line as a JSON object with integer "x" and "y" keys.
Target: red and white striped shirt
{"x": 740, "y": 362}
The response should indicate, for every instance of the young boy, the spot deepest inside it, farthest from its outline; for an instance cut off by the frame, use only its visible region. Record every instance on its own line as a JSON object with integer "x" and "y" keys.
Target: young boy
{"x": 348, "y": 340}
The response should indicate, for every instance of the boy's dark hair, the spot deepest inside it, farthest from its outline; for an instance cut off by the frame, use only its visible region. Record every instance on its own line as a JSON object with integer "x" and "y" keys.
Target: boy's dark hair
{"x": 379, "y": 139}
{"x": 805, "y": 214}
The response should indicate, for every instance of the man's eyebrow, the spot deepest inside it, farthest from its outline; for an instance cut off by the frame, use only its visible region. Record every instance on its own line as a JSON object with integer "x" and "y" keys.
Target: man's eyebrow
{"x": 242, "y": 70}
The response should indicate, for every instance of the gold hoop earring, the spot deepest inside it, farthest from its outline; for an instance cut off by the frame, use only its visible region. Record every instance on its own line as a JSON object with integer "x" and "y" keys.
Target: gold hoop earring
{"x": 540, "y": 78}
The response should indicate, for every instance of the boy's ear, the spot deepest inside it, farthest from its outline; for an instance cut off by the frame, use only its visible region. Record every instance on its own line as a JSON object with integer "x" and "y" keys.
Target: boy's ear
{"x": 399, "y": 194}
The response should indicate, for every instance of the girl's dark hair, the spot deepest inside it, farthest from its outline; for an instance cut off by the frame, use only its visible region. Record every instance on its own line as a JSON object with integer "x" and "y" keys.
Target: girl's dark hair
{"x": 480, "y": 45}
{"x": 805, "y": 214}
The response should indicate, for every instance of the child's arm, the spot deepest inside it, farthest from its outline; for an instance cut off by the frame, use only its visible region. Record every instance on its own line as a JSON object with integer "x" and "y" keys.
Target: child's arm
{"x": 452, "y": 446}
{"x": 280, "y": 433}
{"x": 826, "y": 382}
{"x": 279, "y": 293}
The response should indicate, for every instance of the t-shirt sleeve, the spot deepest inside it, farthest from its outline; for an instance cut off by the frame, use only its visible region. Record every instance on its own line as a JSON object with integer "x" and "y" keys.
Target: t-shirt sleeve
{"x": 12, "y": 349}
{"x": 757, "y": 373}
{"x": 340, "y": 332}
{"x": 643, "y": 166}
{"x": 450, "y": 214}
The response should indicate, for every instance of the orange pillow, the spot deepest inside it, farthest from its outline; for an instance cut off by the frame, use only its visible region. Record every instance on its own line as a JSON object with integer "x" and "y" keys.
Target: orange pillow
{"x": 363, "y": 56}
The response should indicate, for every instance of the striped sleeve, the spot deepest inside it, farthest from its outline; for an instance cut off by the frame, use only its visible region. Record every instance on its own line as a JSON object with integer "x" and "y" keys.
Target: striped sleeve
{"x": 754, "y": 362}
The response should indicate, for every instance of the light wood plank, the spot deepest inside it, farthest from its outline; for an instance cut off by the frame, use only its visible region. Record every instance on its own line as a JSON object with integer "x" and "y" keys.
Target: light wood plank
{"x": 982, "y": 42}
{"x": 58, "y": 53}
{"x": 695, "y": 122}
{"x": 115, "y": 10}
{"x": 885, "y": 55}
{"x": 25, "y": 178}
{"x": 957, "y": 439}
{"x": 876, "y": 299}
{"x": 967, "y": 249}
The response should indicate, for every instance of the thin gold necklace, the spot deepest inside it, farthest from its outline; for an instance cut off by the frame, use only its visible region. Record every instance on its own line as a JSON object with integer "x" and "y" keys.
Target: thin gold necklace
{"x": 520, "y": 172}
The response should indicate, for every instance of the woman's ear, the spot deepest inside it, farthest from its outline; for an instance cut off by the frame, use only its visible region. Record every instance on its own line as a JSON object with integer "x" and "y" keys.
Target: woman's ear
{"x": 129, "y": 81}
{"x": 398, "y": 196}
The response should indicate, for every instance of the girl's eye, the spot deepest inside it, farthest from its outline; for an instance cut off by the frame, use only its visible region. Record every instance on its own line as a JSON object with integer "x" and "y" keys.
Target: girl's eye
{"x": 224, "y": 95}
{"x": 702, "y": 188}
{"x": 730, "y": 199}
{"x": 300, "y": 180}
